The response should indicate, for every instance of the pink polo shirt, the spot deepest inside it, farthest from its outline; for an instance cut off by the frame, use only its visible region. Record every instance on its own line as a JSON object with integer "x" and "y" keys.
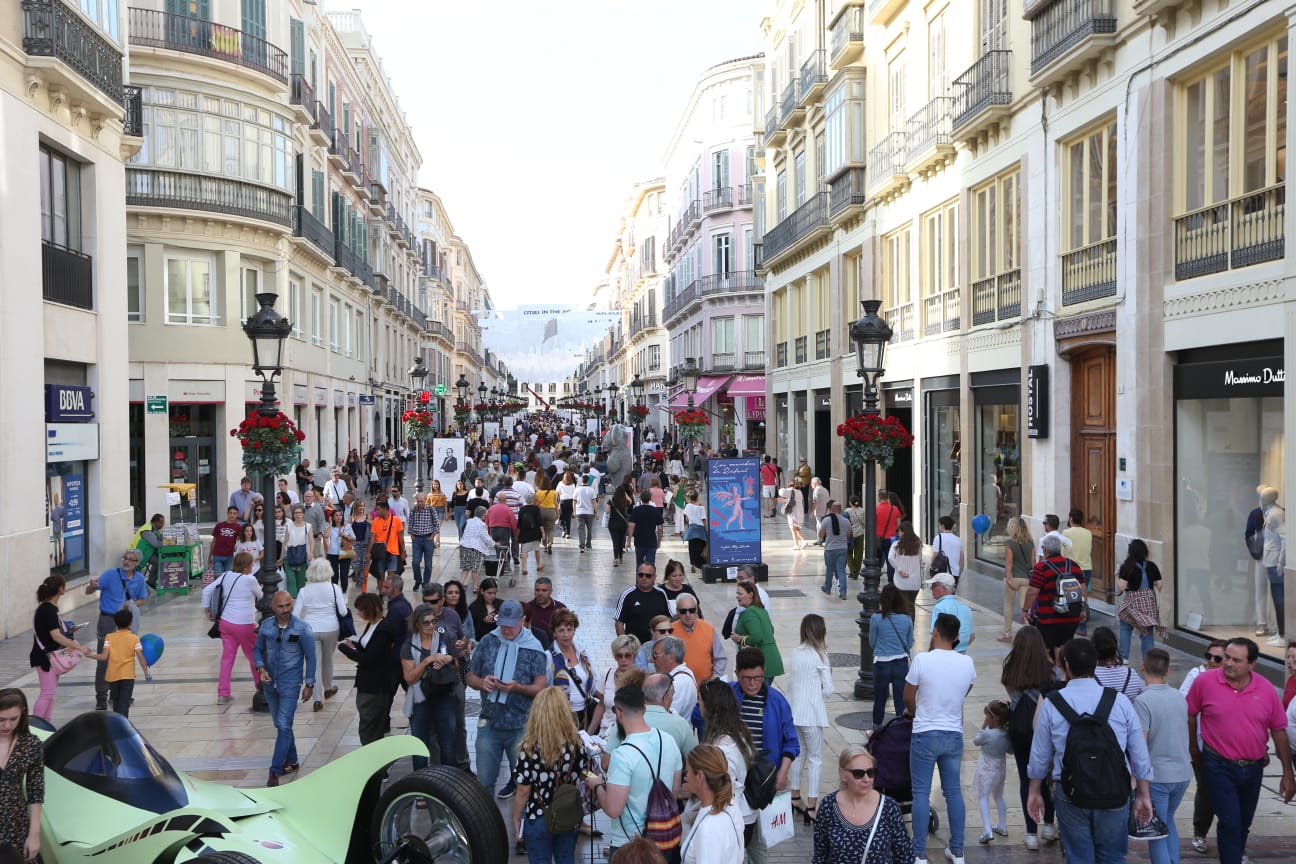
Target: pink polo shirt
{"x": 1235, "y": 723}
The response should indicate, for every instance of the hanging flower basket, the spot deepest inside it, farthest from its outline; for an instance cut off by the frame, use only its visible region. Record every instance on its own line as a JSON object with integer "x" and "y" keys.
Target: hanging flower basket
{"x": 462, "y": 411}
{"x": 270, "y": 444}
{"x": 873, "y": 437}
{"x": 418, "y": 424}
{"x": 692, "y": 422}
{"x": 637, "y": 413}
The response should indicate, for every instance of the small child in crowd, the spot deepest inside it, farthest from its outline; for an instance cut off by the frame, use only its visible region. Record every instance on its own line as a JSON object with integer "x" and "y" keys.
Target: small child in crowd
{"x": 988, "y": 781}
{"x": 120, "y": 650}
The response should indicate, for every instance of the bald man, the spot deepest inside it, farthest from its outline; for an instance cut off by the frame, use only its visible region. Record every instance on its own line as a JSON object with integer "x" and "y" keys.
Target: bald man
{"x": 284, "y": 655}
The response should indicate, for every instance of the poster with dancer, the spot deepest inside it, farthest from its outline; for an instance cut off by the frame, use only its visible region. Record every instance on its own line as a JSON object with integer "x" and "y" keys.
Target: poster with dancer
{"x": 733, "y": 511}
{"x": 447, "y": 461}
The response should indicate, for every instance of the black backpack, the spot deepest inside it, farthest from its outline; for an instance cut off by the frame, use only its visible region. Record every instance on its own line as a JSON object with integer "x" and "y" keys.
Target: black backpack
{"x": 1021, "y": 722}
{"x": 1095, "y": 775}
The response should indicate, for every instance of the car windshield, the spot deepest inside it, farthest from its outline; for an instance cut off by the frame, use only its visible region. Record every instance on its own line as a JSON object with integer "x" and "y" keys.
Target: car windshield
{"x": 103, "y": 752}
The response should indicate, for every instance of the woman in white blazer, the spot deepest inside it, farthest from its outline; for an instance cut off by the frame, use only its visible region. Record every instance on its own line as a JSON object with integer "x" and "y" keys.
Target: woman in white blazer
{"x": 809, "y": 683}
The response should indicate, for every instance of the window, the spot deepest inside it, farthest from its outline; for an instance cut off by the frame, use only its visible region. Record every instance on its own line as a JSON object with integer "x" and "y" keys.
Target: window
{"x": 318, "y": 196}
{"x": 996, "y": 232}
{"x": 782, "y": 194}
{"x": 335, "y": 325}
{"x": 654, "y": 358}
{"x": 800, "y": 162}
{"x": 60, "y": 180}
{"x": 1090, "y": 176}
{"x": 134, "y": 289}
{"x": 347, "y": 316}
{"x": 753, "y": 333}
{"x": 940, "y": 250}
{"x": 722, "y": 255}
{"x": 251, "y": 288}
{"x": 315, "y": 312}
{"x": 190, "y": 294}
{"x": 720, "y": 169}
{"x": 896, "y": 92}
{"x": 104, "y": 14}
{"x": 895, "y": 267}
{"x": 1235, "y": 127}
{"x": 938, "y": 83}
{"x": 722, "y": 335}
{"x": 750, "y": 164}
{"x": 295, "y": 307}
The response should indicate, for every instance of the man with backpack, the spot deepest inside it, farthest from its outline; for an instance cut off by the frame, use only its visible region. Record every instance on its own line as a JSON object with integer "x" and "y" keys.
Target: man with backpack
{"x": 1055, "y": 600}
{"x": 1089, "y": 740}
{"x": 643, "y": 780}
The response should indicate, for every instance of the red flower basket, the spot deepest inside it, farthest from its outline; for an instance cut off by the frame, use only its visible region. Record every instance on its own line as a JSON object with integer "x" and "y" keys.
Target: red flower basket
{"x": 270, "y": 444}
{"x": 873, "y": 437}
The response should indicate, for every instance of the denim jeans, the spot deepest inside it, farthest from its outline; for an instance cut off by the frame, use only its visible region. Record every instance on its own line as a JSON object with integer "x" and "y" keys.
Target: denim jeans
{"x": 283, "y": 707}
{"x": 1277, "y": 591}
{"x": 928, "y": 751}
{"x": 1146, "y": 640}
{"x": 1100, "y": 836}
{"x": 422, "y": 560}
{"x": 645, "y": 553}
{"x": 222, "y": 563}
{"x": 461, "y": 519}
{"x": 433, "y": 723}
{"x": 1165, "y": 801}
{"x": 888, "y": 680}
{"x": 1234, "y": 792}
{"x": 545, "y": 848}
{"x": 835, "y": 562}
{"x": 492, "y": 743}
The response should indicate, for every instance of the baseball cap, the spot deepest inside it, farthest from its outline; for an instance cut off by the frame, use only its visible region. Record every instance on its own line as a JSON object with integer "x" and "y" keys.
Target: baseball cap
{"x": 802, "y": 458}
{"x": 510, "y": 614}
{"x": 941, "y": 579}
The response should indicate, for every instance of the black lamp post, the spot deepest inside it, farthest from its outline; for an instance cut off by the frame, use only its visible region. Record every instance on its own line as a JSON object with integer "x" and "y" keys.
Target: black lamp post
{"x": 612, "y": 399}
{"x": 482, "y": 390}
{"x": 267, "y": 330}
{"x": 870, "y": 335}
{"x": 417, "y": 375}
{"x": 690, "y": 378}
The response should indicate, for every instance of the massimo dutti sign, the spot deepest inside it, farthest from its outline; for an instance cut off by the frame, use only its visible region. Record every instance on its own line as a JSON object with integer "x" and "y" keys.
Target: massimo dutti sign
{"x": 1259, "y": 376}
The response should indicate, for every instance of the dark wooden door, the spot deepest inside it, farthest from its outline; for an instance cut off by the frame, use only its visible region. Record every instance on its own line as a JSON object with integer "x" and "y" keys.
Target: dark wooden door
{"x": 1093, "y": 446}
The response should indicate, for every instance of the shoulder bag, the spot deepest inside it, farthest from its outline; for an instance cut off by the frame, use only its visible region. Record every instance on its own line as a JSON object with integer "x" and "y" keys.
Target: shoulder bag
{"x": 435, "y": 682}
{"x": 877, "y": 817}
{"x": 60, "y": 659}
{"x": 213, "y": 632}
{"x": 346, "y": 623}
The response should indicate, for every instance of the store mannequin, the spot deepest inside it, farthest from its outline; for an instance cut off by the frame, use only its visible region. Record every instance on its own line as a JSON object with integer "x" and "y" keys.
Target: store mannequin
{"x": 1254, "y": 537}
{"x": 1275, "y": 556}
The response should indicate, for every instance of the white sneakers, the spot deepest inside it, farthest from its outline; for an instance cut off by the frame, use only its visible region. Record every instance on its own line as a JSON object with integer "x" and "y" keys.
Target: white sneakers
{"x": 1032, "y": 843}
{"x": 952, "y": 858}
{"x": 1048, "y": 831}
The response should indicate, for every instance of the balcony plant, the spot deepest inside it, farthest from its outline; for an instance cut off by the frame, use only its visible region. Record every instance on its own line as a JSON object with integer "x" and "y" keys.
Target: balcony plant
{"x": 872, "y": 437}
{"x": 270, "y": 444}
{"x": 692, "y": 422}
{"x": 418, "y": 424}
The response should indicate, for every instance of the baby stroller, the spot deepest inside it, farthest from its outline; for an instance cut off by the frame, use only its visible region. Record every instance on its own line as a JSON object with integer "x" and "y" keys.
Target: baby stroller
{"x": 889, "y": 747}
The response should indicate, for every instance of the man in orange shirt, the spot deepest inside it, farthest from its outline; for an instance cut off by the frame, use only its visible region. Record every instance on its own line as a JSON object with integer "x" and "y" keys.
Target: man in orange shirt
{"x": 387, "y": 541}
{"x": 704, "y": 651}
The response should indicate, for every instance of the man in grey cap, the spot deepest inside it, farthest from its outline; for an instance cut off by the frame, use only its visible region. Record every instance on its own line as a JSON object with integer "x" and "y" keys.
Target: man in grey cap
{"x": 510, "y": 668}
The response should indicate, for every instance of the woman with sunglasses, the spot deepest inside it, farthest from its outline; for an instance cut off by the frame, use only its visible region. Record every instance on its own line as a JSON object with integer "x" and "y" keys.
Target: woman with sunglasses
{"x": 857, "y": 824}
{"x": 1203, "y": 810}
{"x": 624, "y": 650}
{"x": 659, "y": 626}
{"x": 1028, "y": 674}
{"x": 430, "y": 647}
{"x": 258, "y": 522}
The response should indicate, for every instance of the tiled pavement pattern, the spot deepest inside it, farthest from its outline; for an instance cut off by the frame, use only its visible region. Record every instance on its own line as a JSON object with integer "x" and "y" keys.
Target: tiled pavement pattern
{"x": 178, "y": 712}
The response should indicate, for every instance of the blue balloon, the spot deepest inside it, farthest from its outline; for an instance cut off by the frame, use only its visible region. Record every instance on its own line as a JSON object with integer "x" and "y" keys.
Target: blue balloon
{"x": 152, "y": 645}
{"x": 980, "y": 523}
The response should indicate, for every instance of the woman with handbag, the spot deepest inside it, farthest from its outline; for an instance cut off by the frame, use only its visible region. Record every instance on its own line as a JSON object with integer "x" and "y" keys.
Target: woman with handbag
{"x": 371, "y": 651}
{"x": 573, "y": 672}
{"x": 339, "y": 538}
{"x": 905, "y": 556}
{"x": 550, "y": 756}
{"x": 230, "y": 601}
{"x": 857, "y": 824}
{"x": 891, "y": 636}
{"x": 1138, "y": 582}
{"x": 321, "y": 604}
{"x": 298, "y": 548}
{"x": 359, "y": 544}
{"x": 52, "y": 645}
{"x": 428, "y": 666}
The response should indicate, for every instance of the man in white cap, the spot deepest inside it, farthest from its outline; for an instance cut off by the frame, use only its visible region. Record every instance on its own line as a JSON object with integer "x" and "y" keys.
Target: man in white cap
{"x": 942, "y": 588}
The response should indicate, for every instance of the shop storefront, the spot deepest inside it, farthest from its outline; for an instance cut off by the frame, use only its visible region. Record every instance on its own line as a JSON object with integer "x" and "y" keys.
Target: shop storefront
{"x": 898, "y": 398}
{"x": 996, "y": 403}
{"x": 71, "y": 445}
{"x": 1229, "y": 464}
{"x": 943, "y": 453}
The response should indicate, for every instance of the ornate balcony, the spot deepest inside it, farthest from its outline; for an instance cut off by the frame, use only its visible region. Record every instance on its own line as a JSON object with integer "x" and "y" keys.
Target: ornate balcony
{"x": 722, "y": 361}
{"x": 67, "y": 276}
{"x": 1236, "y": 233}
{"x": 1068, "y": 34}
{"x": 302, "y": 97}
{"x": 321, "y": 130}
{"x": 982, "y": 95}
{"x": 714, "y": 200}
{"x": 847, "y": 39}
{"x": 150, "y": 28}
{"x": 930, "y": 139}
{"x": 902, "y": 322}
{"x": 71, "y": 53}
{"x": 146, "y": 187}
{"x": 307, "y": 227}
{"x": 791, "y": 111}
{"x": 774, "y": 133}
{"x": 1089, "y": 273}
{"x": 887, "y": 174}
{"x": 133, "y": 119}
{"x": 846, "y": 193}
{"x": 997, "y": 298}
{"x": 814, "y": 77}
{"x": 941, "y": 312}
{"x": 806, "y": 223}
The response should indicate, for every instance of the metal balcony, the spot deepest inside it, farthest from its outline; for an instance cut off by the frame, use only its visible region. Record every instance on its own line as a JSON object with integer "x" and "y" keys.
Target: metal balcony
{"x": 52, "y": 29}
{"x": 1089, "y": 273}
{"x": 302, "y": 96}
{"x": 886, "y": 162}
{"x": 153, "y": 29}
{"x": 717, "y": 199}
{"x": 774, "y": 133}
{"x": 882, "y": 12}
{"x": 930, "y": 137}
{"x": 67, "y": 276}
{"x": 1066, "y": 34}
{"x": 133, "y": 119}
{"x": 806, "y": 222}
{"x": 814, "y": 77}
{"x": 321, "y": 130}
{"x": 941, "y": 312}
{"x": 982, "y": 95}
{"x": 846, "y": 193}
{"x": 754, "y": 359}
{"x": 790, "y": 109}
{"x": 847, "y": 37}
{"x": 306, "y": 226}
{"x": 722, "y": 361}
{"x": 1236, "y": 233}
{"x": 901, "y": 320}
{"x": 997, "y": 298}
{"x": 146, "y": 187}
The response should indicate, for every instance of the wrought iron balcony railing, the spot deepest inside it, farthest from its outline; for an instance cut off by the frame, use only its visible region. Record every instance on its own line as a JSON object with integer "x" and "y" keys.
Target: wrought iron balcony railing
{"x": 1236, "y": 233}
{"x": 997, "y": 298}
{"x": 814, "y": 75}
{"x": 887, "y": 160}
{"x": 753, "y": 359}
{"x": 983, "y": 85}
{"x": 930, "y": 128}
{"x": 941, "y": 312}
{"x": 67, "y": 276}
{"x": 847, "y": 35}
{"x": 846, "y": 190}
{"x": 52, "y": 29}
{"x": 1061, "y": 25}
{"x": 901, "y": 320}
{"x": 155, "y": 29}
{"x": 811, "y": 215}
{"x": 133, "y": 119}
{"x": 147, "y": 187}
{"x": 1089, "y": 273}
{"x": 306, "y": 226}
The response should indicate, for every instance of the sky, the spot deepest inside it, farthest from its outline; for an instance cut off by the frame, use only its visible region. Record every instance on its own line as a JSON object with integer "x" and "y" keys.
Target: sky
{"x": 535, "y": 119}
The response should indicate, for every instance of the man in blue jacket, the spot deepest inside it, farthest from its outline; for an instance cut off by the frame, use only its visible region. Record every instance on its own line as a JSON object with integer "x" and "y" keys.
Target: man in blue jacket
{"x": 768, "y": 717}
{"x": 284, "y": 655}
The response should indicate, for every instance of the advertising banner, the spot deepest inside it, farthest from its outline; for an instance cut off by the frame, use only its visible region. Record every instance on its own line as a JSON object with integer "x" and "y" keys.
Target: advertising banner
{"x": 733, "y": 511}
{"x": 65, "y": 516}
{"x": 491, "y": 429}
{"x": 447, "y": 461}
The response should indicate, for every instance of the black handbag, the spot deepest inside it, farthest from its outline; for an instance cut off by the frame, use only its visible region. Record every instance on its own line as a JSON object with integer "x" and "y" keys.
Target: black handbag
{"x": 435, "y": 682}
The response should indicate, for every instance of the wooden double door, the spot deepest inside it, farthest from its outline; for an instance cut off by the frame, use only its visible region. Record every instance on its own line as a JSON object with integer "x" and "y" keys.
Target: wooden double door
{"x": 1093, "y": 448}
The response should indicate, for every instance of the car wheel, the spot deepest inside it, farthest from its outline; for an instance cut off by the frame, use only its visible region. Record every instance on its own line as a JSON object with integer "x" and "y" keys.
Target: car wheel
{"x": 439, "y": 814}
{"x": 228, "y": 858}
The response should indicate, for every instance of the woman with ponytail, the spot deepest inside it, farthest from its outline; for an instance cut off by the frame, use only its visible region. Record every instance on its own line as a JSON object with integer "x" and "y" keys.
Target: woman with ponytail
{"x": 49, "y": 634}
{"x": 716, "y": 835}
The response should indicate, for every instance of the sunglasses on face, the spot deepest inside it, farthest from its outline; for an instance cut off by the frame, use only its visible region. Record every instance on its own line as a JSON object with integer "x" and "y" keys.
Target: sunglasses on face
{"x": 624, "y": 655}
{"x": 861, "y": 773}
{"x": 662, "y": 632}
{"x": 1214, "y": 658}
{"x": 692, "y": 610}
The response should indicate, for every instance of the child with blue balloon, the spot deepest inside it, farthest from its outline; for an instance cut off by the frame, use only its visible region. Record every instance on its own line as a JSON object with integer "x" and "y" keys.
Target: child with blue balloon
{"x": 121, "y": 650}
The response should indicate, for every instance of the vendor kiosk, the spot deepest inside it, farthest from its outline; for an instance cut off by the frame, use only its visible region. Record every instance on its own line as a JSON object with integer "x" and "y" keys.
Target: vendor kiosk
{"x": 181, "y": 556}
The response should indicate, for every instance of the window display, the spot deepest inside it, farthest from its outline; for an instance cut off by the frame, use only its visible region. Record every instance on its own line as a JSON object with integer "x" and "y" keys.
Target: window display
{"x": 944, "y": 460}
{"x": 998, "y": 476}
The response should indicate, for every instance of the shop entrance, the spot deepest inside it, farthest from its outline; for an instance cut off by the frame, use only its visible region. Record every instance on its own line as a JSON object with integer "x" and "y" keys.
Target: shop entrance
{"x": 1093, "y": 443}
{"x": 193, "y": 456}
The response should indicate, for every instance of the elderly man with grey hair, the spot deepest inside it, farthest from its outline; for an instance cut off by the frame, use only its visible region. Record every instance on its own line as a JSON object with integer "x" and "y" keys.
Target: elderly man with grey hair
{"x": 668, "y": 659}
{"x": 657, "y": 691}
{"x": 1056, "y": 626}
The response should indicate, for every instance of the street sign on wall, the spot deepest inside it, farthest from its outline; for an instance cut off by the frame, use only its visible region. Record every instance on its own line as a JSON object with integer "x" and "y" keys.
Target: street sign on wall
{"x": 155, "y": 404}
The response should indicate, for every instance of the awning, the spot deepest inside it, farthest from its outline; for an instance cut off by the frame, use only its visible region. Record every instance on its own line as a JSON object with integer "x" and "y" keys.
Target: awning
{"x": 747, "y": 385}
{"x": 707, "y": 385}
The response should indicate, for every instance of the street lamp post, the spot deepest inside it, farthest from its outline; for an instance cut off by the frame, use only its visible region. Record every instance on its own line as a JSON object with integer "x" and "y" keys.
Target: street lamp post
{"x": 612, "y": 400}
{"x": 482, "y": 390}
{"x": 636, "y": 388}
{"x": 870, "y": 335}
{"x": 418, "y": 374}
{"x": 267, "y": 330}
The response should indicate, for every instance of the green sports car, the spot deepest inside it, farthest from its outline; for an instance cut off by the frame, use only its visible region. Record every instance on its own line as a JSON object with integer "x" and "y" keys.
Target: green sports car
{"x": 111, "y": 798}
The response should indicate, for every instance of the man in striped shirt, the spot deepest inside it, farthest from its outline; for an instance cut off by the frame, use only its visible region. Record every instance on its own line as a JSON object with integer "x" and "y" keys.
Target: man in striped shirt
{"x": 768, "y": 717}
{"x": 423, "y": 525}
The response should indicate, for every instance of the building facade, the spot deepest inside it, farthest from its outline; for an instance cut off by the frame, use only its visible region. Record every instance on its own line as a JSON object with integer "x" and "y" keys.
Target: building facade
{"x": 70, "y": 120}
{"x": 714, "y": 305}
{"x": 1030, "y": 197}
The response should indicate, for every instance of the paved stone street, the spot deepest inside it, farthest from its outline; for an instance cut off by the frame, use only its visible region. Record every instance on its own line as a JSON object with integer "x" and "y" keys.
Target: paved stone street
{"x": 178, "y": 713}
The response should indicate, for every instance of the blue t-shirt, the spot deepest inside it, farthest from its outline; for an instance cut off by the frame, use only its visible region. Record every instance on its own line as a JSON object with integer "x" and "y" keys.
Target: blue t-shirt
{"x": 115, "y": 586}
{"x": 637, "y": 769}
{"x": 951, "y": 605}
